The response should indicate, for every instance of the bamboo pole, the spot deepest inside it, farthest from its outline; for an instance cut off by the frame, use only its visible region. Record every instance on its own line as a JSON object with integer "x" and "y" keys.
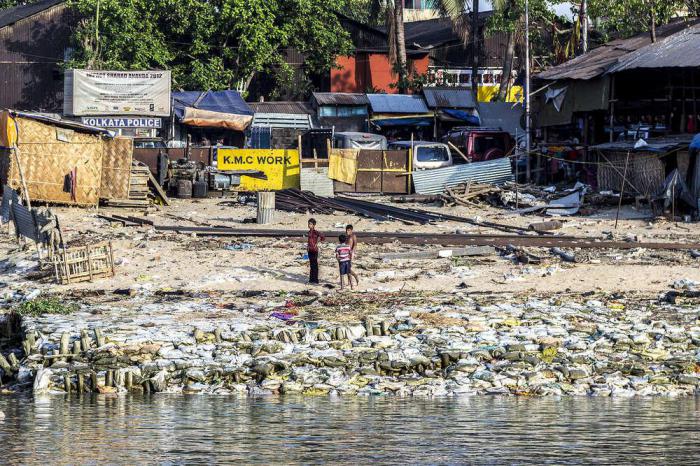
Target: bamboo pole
{"x": 622, "y": 189}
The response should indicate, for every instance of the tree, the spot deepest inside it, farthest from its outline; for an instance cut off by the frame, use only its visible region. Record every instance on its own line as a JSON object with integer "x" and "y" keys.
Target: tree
{"x": 509, "y": 17}
{"x": 10, "y": 3}
{"x": 208, "y": 44}
{"x": 629, "y": 17}
{"x": 392, "y": 11}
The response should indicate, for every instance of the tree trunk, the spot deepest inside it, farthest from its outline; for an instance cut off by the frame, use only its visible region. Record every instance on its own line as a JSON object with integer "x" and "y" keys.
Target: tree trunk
{"x": 400, "y": 45}
{"x": 475, "y": 50}
{"x": 507, "y": 68}
{"x": 652, "y": 29}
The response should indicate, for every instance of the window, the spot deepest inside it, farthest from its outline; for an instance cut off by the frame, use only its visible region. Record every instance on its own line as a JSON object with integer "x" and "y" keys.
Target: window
{"x": 483, "y": 144}
{"x": 327, "y": 111}
{"x": 343, "y": 112}
{"x": 432, "y": 154}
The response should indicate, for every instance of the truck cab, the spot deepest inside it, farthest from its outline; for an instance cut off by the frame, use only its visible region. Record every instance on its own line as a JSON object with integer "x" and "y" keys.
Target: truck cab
{"x": 480, "y": 144}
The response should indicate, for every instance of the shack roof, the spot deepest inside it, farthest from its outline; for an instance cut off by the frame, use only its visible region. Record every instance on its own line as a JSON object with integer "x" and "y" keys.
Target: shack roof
{"x": 657, "y": 145}
{"x": 340, "y": 98}
{"x": 213, "y": 101}
{"x": 435, "y": 32}
{"x": 74, "y": 125}
{"x": 295, "y": 108}
{"x": 12, "y": 15}
{"x": 448, "y": 98}
{"x": 680, "y": 50}
{"x": 397, "y": 103}
{"x": 599, "y": 60}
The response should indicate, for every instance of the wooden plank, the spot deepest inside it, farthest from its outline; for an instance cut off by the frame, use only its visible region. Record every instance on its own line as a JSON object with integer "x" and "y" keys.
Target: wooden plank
{"x": 158, "y": 189}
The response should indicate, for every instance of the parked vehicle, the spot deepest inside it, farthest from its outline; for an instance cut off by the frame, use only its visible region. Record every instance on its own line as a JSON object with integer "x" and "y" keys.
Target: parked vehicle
{"x": 353, "y": 140}
{"x": 149, "y": 143}
{"x": 480, "y": 144}
{"x": 426, "y": 154}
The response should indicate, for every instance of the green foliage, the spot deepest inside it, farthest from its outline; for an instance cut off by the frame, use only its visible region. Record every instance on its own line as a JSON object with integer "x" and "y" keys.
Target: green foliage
{"x": 629, "y": 17}
{"x": 39, "y": 307}
{"x": 208, "y": 44}
{"x": 10, "y": 3}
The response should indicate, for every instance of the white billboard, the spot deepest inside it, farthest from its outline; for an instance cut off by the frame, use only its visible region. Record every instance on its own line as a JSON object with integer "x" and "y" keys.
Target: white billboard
{"x": 92, "y": 92}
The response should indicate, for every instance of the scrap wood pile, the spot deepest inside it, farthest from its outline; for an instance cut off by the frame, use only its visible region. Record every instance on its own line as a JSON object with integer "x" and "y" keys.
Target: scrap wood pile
{"x": 294, "y": 200}
{"x": 526, "y": 199}
{"x": 143, "y": 189}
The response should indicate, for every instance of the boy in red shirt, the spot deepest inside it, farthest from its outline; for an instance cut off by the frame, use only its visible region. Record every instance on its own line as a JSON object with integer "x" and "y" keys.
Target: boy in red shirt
{"x": 343, "y": 252}
{"x": 314, "y": 238}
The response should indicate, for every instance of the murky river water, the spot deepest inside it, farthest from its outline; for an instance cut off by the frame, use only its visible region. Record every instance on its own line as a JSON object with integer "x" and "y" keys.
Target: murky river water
{"x": 199, "y": 429}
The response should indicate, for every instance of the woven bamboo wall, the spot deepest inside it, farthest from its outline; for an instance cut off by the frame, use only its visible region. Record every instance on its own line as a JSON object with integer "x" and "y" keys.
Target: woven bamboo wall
{"x": 116, "y": 168}
{"x": 645, "y": 172}
{"x": 47, "y": 163}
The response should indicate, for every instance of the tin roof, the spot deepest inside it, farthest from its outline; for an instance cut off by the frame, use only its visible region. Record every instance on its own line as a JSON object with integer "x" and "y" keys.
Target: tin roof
{"x": 68, "y": 124}
{"x": 397, "y": 103}
{"x": 599, "y": 60}
{"x": 681, "y": 50}
{"x": 340, "y": 98}
{"x": 292, "y": 108}
{"x": 450, "y": 98}
{"x": 10, "y": 16}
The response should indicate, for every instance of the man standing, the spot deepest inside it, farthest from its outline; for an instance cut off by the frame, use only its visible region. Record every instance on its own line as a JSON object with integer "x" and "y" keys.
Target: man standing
{"x": 312, "y": 248}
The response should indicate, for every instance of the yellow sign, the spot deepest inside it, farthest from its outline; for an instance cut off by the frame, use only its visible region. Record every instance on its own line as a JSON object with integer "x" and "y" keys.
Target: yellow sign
{"x": 281, "y": 166}
{"x": 488, "y": 92}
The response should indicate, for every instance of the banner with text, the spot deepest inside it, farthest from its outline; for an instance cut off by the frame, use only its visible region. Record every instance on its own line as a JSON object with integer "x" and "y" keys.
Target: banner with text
{"x": 144, "y": 93}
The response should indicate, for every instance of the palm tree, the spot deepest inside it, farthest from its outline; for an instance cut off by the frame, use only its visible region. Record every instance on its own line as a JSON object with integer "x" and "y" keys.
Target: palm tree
{"x": 396, "y": 36}
{"x": 393, "y": 12}
{"x": 510, "y": 10}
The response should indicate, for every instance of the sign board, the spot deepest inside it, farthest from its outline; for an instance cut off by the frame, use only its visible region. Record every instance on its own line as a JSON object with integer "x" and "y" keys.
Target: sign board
{"x": 119, "y": 122}
{"x": 91, "y": 92}
{"x": 280, "y": 165}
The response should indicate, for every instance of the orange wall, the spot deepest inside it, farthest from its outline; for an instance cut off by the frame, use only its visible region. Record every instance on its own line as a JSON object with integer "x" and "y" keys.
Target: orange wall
{"x": 358, "y": 73}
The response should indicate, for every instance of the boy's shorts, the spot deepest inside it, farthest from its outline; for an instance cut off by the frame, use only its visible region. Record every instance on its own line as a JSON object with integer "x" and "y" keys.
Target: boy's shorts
{"x": 344, "y": 267}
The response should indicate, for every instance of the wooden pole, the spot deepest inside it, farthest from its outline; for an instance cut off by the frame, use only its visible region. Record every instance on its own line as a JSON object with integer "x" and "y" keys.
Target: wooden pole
{"x": 622, "y": 189}
{"x": 25, "y": 190}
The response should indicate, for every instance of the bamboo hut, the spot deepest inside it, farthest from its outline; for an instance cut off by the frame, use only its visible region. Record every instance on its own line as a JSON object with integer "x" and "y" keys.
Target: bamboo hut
{"x": 61, "y": 161}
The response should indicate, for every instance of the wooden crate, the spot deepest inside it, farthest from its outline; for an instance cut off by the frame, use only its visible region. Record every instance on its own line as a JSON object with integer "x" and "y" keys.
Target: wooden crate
{"x": 84, "y": 263}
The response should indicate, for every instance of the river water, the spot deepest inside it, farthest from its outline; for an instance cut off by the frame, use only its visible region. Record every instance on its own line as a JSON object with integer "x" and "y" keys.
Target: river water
{"x": 478, "y": 430}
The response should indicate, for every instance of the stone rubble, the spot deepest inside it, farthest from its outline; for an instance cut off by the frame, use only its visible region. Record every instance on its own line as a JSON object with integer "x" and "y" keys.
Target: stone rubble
{"x": 448, "y": 346}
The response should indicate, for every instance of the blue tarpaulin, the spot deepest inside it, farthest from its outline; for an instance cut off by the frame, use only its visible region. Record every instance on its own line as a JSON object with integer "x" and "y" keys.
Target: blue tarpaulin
{"x": 695, "y": 143}
{"x": 462, "y": 115}
{"x": 417, "y": 121}
{"x": 224, "y": 109}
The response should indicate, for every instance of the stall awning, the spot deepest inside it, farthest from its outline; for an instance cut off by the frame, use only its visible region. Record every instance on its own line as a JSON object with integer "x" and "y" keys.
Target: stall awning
{"x": 466, "y": 116}
{"x": 385, "y": 121}
{"x": 212, "y": 109}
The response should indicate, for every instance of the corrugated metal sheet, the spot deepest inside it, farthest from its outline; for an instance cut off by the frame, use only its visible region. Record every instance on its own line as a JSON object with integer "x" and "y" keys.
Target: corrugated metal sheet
{"x": 436, "y": 181}
{"x": 340, "y": 98}
{"x": 397, "y": 103}
{"x": 33, "y": 40}
{"x": 299, "y": 108}
{"x": 449, "y": 98}
{"x": 681, "y": 50}
{"x": 24, "y": 222}
{"x": 12, "y": 15}
{"x": 504, "y": 115}
{"x": 316, "y": 180}
{"x": 282, "y": 120}
{"x": 9, "y": 197}
{"x": 599, "y": 60}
